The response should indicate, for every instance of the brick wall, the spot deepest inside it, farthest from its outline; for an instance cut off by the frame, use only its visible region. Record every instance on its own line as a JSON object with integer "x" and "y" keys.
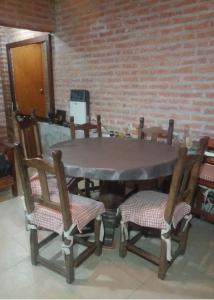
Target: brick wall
{"x": 33, "y": 14}
{"x": 139, "y": 58}
{"x": 151, "y": 58}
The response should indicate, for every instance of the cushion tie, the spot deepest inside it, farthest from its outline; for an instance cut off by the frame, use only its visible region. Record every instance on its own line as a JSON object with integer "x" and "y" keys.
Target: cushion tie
{"x": 66, "y": 247}
{"x": 31, "y": 226}
{"x": 29, "y": 218}
{"x": 188, "y": 219}
{"x": 67, "y": 233}
{"x": 167, "y": 240}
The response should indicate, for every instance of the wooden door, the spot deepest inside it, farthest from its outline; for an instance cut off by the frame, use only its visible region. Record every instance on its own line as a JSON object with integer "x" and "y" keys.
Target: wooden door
{"x": 28, "y": 78}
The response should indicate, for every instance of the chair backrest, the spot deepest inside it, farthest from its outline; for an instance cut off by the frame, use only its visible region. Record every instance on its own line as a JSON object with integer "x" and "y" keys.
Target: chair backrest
{"x": 203, "y": 146}
{"x": 156, "y": 133}
{"x": 29, "y": 135}
{"x": 86, "y": 127}
{"x": 43, "y": 169}
{"x": 184, "y": 179}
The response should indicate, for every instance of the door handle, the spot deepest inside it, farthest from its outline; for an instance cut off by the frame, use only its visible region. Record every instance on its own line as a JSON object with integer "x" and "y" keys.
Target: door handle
{"x": 41, "y": 91}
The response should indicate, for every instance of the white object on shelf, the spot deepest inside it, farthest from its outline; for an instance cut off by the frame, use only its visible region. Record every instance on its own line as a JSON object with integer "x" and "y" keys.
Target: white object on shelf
{"x": 78, "y": 109}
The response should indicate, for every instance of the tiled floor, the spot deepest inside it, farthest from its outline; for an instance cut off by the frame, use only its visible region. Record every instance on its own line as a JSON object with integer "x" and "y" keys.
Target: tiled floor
{"x": 108, "y": 276}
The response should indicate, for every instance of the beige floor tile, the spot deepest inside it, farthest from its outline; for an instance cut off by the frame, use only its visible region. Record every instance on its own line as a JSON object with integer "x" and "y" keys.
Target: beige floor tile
{"x": 27, "y": 281}
{"x": 174, "y": 288}
{"x": 107, "y": 276}
{"x": 14, "y": 209}
{"x": 11, "y": 252}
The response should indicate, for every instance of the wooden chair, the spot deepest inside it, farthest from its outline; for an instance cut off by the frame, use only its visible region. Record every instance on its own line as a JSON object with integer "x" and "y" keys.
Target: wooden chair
{"x": 204, "y": 200}
{"x": 156, "y": 133}
{"x": 29, "y": 135}
{"x": 30, "y": 140}
{"x": 86, "y": 128}
{"x": 167, "y": 215}
{"x": 8, "y": 179}
{"x": 50, "y": 207}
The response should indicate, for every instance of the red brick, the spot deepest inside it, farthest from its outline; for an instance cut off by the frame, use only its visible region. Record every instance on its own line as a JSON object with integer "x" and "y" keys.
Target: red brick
{"x": 137, "y": 58}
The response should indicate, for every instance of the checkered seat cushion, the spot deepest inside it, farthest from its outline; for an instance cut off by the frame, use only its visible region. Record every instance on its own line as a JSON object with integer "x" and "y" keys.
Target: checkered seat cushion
{"x": 83, "y": 209}
{"x": 146, "y": 208}
{"x": 207, "y": 172}
{"x": 52, "y": 184}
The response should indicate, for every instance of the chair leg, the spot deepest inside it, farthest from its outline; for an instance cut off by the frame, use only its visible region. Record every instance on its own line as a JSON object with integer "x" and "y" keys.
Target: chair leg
{"x": 123, "y": 250}
{"x": 34, "y": 246}
{"x": 97, "y": 228}
{"x": 15, "y": 190}
{"x": 87, "y": 188}
{"x": 183, "y": 239}
{"x": 198, "y": 202}
{"x": 69, "y": 266}
{"x": 73, "y": 187}
{"x": 123, "y": 243}
{"x": 163, "y": 261}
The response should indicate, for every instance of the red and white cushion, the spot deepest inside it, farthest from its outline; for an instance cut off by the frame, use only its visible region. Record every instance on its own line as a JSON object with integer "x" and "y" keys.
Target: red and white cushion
{"x": 52, "y": 184}
{"x": 207, "y": 172}
{"x": 83, "y": 209}
{"x": 146, "y": 208}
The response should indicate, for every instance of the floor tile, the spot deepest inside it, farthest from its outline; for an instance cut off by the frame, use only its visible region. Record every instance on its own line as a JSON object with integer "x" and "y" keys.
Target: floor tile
{"x": 11, "y": 252}
{"x": 106, "y": 276}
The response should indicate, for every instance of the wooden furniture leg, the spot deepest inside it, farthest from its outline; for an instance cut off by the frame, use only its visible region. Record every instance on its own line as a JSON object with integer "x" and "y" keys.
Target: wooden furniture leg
{"x": 112, "y": 195}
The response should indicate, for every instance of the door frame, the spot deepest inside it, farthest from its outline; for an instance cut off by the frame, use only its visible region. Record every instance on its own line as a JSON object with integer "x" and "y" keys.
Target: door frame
{"x": 46, "y": 38}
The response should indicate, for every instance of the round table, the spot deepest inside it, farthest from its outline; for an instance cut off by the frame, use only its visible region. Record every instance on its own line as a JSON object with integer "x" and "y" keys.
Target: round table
{"x": 116, "y": 158}
{"x": 114, "y": 161}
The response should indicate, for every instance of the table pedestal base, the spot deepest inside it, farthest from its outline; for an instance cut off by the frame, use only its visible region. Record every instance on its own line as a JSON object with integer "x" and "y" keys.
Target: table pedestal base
{"x": 110, "y": 223}
{"x": 112, "y": 195}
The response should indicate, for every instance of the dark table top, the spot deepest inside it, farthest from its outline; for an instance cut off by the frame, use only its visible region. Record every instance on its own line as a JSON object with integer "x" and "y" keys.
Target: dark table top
{"x": 116, "y": 158}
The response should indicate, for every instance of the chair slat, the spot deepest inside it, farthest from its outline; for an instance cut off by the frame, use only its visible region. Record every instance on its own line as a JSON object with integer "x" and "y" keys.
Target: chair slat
{"x": 47, "y": 203}
{"x": 86, "y": 127}
{"x": 63, "y": 193}
{"x": 44, "y": 186}
{"x": 40, "y": 164}
{"x": 156, "y": 132}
